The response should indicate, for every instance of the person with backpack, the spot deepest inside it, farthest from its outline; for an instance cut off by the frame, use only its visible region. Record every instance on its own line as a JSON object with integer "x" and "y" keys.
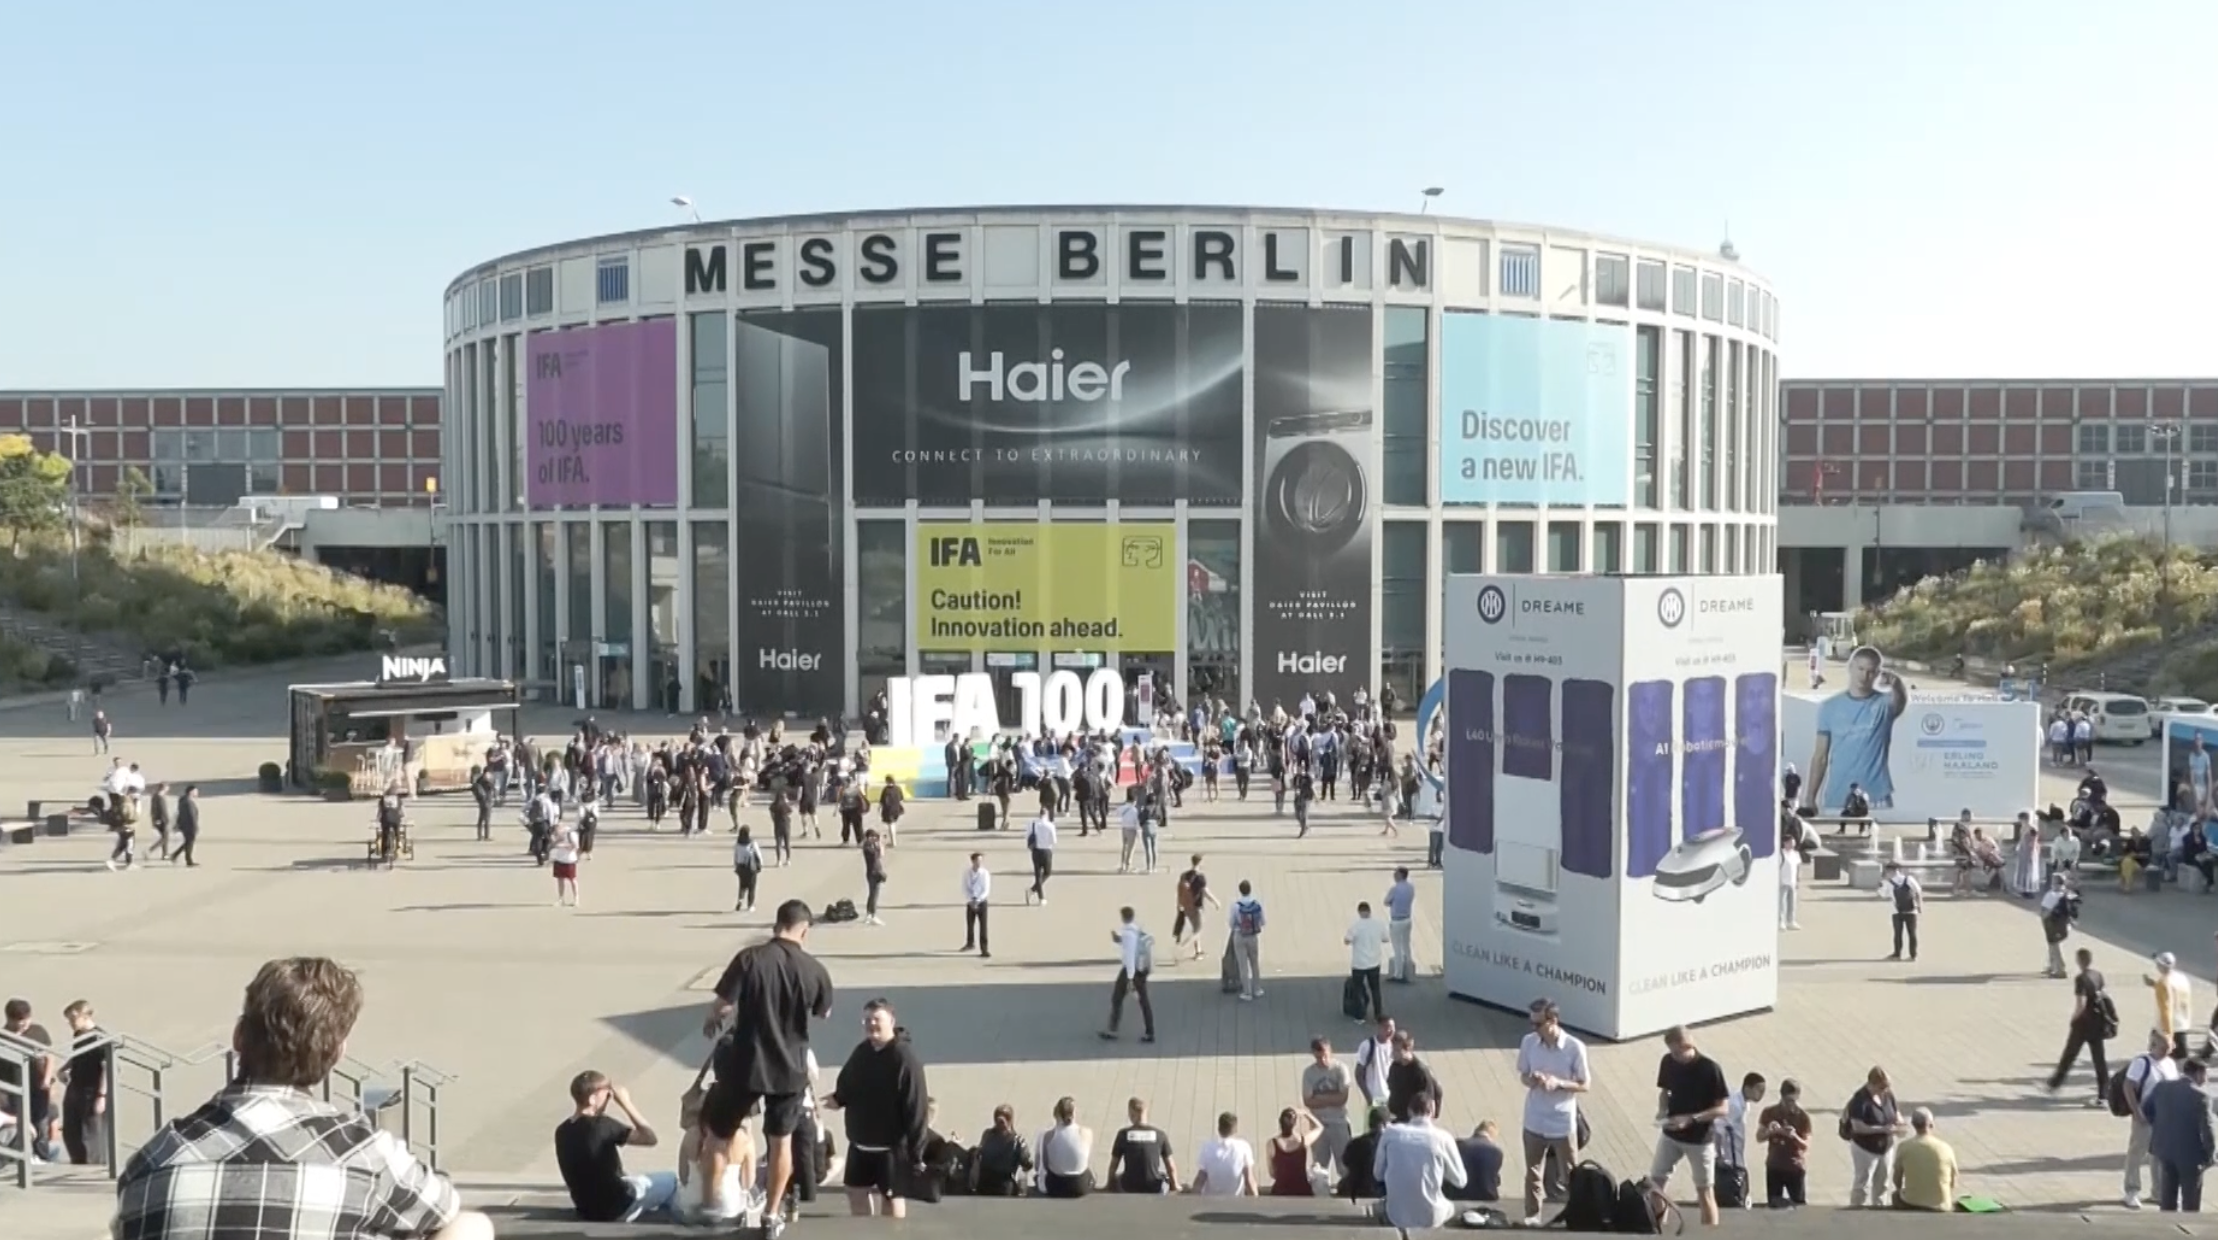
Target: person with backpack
{"x": 2128, "y": 1089}
{"x": 1870, "y": 1123}
{"x": 2094, "y": 1021}
{"x": 1247, "y": 938}
{"x": 747, "y": 866}
{"x": 1135, "y": 960}
{"x": 2059, "y": 907}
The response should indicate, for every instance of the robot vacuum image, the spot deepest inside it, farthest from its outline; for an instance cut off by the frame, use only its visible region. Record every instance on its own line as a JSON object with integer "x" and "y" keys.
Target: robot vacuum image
{"x": 1702, "y": 865}
{"x": 1532, "y": 912}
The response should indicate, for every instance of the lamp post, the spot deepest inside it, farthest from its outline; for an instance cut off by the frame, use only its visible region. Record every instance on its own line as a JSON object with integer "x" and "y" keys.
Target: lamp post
{"x": 2169, "y": 433}
{"x": 76, "y": 436}
{"x": 685, "y": 204}
{"x": 1430, "y": 192}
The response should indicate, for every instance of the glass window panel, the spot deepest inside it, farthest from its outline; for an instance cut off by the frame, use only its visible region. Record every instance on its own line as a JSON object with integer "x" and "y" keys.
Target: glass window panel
{"x": 1406, "y": 379}
{"x": 1644, "y": 547}
{"x": 1646, "y": 426}
{"x": 616, "y": 581}
{"x": 548, "y": 656}
{"x": 882, "y": 581}
{"x": 265, "y": 446}
{"x": 1513, "y": 546}
{"x": 1564, "y": 541}
{"x": 579, "y": 556}
{"x": 613, "y": 281}
{"x": 2132, "y": 438}
{"x": 231, "y": 447}
{"x": 169, "y": 445}
{"x": 2094, "y": 437}
{"x": 2093, "y": 476}
{"x": 1463, "y": 546}
{"x": 264, "y": 478}
{"x": 1733, "y": 303}
{"x": 1213, "y": 609}
{"x": 662, "y": 611}
{"x": 200, "y": 445}
{"x": 2202, "y": 475}
{"x": 1706, "y": 461}
{"x": 1680, "y": 411}
{"x": 1613, "y": 280}
{"x": 712, "y": 479}
{"x": 1682, "y": 291}
{"x": 1709, "y": 548}
{"x": 1713, "y": 296}
{"x": 539, "y": 291}
{"x": 1609, "y": 547}
{"x": 1649, "y": 286}
{"x": 2202, "y": 437}
{"x": 712, "y": 623}
{"x": 1402, "y": 606}
{"x": 1678, "y": 548}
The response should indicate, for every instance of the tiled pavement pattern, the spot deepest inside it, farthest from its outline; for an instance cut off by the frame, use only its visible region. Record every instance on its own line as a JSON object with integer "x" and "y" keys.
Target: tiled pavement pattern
{"x": 470, "y": 968}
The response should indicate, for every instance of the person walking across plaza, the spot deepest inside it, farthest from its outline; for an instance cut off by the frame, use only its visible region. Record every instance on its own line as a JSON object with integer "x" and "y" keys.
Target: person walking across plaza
{"x": 1366, "y": 940}
{"x": 1552, "y": 1065}
{"x": 1193, "y": 896}
{"x": 1039, "y": 838}
{"x": 874, "y": 875}
{"x": 1247, "y": 938}
{"x": 977, "y": 893}
{"x": 1135, "y": 960}
{"x": 1907, "y": 898}
{"x": 188, "y": 827}
{"x": 747, "y": 868}
{"x": 1401, "y": 911}
{"x": 768, "y": 994}
{"x": 2094, "y": 1021}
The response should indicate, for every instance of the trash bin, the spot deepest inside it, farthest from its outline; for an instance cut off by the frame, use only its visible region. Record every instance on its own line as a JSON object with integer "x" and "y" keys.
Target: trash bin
{"x": 988, "y": 817}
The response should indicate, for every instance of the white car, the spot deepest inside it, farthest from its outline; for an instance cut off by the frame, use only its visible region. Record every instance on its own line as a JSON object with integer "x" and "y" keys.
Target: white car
{"x": 2118, "y": 717}
{"x": 2164, "y": 709}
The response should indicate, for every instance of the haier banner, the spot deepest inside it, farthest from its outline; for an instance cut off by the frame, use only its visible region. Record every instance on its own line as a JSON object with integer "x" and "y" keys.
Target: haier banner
{"x": 1612, "y": 819}
{"x": 1912, "y": 755}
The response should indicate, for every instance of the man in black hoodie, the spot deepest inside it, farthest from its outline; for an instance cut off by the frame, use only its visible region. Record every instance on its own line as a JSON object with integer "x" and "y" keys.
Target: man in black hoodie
{"x": 1408, "y": 1077}
{"x": 881, "y": 1088}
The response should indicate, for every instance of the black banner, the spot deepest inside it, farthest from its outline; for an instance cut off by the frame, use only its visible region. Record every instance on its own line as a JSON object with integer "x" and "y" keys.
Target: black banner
{"x": 1316, "y": 503}
{"x": 1074, "y": 403}
{"x": 789, "y": 654}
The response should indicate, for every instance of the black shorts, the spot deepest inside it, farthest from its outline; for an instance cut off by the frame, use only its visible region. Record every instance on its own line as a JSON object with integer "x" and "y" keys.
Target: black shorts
{"x": 869, "y": 1169}
{"x": 728, "y": 1105}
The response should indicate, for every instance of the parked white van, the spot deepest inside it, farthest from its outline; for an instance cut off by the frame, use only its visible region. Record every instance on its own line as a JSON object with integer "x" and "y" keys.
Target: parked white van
{"x": 2116, "y": 716}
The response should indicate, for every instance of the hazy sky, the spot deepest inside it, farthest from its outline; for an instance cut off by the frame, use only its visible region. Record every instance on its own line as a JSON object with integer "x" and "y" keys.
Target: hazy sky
{"x": 259, "y": 194}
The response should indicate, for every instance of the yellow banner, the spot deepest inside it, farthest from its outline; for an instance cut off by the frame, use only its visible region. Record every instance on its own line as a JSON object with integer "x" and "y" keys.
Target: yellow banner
{"x": 1004, "y": 586}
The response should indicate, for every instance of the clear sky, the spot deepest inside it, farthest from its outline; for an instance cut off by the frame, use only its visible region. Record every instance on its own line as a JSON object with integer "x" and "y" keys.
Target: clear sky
{"x": 235, "y": 194}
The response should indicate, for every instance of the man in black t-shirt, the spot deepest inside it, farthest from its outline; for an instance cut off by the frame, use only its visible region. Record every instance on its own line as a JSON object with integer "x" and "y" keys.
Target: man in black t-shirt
{"x": 1140, "y": 1158}
{"x": 2093, "y": 1021}
{"x": 35, "y": 1096}
{"x": 1691, "y": 1096}
{"x": 769, "y": 992}
{"x": 587, "y": 1149}
{"x": 85, "y": 1088}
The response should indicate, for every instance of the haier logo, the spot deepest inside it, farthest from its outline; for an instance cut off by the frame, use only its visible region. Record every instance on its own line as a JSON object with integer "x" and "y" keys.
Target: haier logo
{"x": 412, "y": 667}
{"x": 1315, "y": 663}
{"x": 788, "y": 661}
{"x": 956, "y": 553}
{"x": 1671, "y": 607}
{"x": 1493, "y": 604}
{"x": 1031, "y": 382}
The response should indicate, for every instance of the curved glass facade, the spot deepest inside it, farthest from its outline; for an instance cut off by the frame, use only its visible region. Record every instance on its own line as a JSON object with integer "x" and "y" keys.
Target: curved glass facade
{"x": 778, "y": 461}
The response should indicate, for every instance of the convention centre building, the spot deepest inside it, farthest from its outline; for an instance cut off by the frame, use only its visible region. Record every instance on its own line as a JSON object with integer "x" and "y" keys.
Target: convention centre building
{"x": 781, "y": 460}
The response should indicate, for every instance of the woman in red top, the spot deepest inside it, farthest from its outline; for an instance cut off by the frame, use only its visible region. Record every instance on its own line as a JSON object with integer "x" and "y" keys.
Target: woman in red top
{"x": 1288, "y": 1153}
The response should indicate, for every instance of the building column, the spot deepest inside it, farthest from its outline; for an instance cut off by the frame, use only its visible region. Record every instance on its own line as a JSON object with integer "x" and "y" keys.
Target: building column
{"x": 1852, "y": 578}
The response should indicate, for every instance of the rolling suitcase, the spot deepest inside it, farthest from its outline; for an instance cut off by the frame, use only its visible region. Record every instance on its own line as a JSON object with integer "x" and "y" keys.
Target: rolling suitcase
{"x": 987, "y": 816}
{"x": 1354, "y": 999}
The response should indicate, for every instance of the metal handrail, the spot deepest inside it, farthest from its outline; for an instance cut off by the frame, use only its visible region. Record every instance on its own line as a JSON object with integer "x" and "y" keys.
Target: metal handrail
{"x": 419, "y": 1080}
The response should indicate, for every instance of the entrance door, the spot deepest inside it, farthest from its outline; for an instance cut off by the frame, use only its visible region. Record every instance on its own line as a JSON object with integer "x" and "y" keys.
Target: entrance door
{"x": 1003, "y": 667}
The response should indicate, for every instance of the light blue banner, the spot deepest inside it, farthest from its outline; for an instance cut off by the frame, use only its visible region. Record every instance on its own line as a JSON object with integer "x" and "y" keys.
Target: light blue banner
{"x": 1535, "y": 411}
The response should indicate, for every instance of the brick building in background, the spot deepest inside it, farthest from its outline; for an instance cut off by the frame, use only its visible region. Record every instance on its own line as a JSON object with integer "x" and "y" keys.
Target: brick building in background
{"x": 1997, "y": 441}
{"x": 369, "y": 447}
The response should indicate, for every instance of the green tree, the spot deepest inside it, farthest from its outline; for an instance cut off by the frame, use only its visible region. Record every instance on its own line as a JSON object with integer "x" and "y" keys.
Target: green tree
{"x": 34, "y": 486}
{"x": 131, "y": 493}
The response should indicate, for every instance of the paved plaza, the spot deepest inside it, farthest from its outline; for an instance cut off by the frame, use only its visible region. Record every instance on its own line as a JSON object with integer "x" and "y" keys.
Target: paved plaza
{"x": 470, "y": 967}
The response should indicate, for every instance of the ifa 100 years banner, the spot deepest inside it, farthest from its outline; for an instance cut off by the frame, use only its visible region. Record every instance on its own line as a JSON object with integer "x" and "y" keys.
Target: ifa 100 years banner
{"x": 601, "y": 416}
{"x": 1613, "y": 754}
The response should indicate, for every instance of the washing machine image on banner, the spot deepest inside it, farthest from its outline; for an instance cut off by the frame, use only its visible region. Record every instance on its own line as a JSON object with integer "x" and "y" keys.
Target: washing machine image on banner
{"x": 1651, "y": 739}
{"x": 1756, "y": 761}
{"x": 1702, "y": 764}
{"x": 1471, "y": 760}
{"x": 1528, "y": 728}
{"x": 1587, "y": 792}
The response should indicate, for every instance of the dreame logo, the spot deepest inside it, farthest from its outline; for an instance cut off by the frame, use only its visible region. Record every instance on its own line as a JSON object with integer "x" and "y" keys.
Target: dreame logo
{"x": 1032, "y": 382}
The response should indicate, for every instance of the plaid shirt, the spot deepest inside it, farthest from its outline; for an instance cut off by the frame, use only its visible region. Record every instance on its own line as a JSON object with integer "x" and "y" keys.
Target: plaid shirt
{"x": 262, "y": 1162}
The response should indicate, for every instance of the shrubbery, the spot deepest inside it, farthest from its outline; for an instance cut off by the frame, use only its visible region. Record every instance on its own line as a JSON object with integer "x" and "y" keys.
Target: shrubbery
{"x": 217, "y": 608}
{"x": 2061, "y": 606}
{"x": 25, "y": 667}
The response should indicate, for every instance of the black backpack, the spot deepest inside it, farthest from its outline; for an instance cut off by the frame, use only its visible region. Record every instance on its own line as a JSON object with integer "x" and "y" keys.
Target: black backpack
{"x": 2117, "y": 1099}
{"x": 1589, "y": 1199}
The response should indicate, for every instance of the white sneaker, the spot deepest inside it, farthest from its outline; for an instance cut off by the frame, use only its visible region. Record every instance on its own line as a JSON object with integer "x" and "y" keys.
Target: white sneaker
{"x": 111, "y": 865}
{"x": 2132, "y": 1201}
{"x": 874, "y": 920}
